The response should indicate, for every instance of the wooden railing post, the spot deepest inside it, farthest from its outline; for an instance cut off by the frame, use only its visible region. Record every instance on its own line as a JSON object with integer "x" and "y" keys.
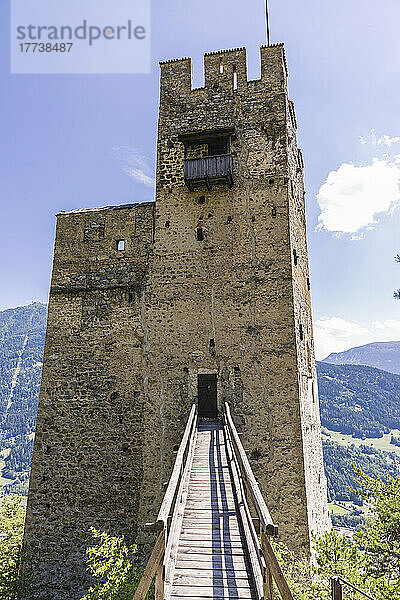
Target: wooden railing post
{"x": 153, "y": 565}
{"x": 268, "y": 585}
{"x": 337, "y": 588}
{"x": 273, "y": 564}
{"x": 159, "y": 587}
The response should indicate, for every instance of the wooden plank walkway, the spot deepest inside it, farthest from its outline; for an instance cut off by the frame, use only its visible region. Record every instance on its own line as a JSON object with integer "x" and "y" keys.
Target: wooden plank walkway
{"x": 212, "y": 559}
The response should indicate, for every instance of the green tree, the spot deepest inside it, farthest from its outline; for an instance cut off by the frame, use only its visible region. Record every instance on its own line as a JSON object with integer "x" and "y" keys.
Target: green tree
{"x": 12, "y": 556}
{"x": 12, "y": 518}
{"x": 380, "y": 537}
{"x": 116, "y": 566}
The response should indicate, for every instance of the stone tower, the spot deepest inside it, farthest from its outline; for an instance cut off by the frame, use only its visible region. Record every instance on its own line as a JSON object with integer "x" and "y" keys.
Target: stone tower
{"x": 202, "y": 295}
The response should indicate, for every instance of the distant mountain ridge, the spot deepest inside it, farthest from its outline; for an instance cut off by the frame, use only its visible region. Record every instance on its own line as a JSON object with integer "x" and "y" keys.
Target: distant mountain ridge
{"x": 381, "y": 355}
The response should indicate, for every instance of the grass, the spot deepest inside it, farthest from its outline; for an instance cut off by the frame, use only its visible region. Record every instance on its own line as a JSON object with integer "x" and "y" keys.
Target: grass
{"x": 382, "y": 443}
{"x": 335, "y": 509}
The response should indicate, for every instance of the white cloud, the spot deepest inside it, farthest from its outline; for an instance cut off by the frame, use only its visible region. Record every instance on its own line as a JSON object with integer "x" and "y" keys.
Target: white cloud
{"x": 135, "y": 164}
{"x": 388, "y": 141}
{"x": 388, "y": 324}
{"x": 352, "y": 197}
{"x": 334, "y": 334}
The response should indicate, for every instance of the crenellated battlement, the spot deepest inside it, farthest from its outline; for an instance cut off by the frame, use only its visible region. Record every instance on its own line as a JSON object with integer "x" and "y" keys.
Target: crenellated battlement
{"x": 223, "y": 69}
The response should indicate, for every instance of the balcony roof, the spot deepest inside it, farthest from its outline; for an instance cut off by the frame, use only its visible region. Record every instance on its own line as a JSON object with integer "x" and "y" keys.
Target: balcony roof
{"x": 206, "y": 134}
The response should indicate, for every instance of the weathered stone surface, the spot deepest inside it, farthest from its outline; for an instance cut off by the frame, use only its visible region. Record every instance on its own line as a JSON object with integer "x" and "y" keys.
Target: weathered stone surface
{"x": 129, "y": 330}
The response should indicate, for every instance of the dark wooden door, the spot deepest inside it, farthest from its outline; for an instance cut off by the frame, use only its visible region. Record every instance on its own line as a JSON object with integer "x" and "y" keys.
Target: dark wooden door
{"x": 207, "y": 395}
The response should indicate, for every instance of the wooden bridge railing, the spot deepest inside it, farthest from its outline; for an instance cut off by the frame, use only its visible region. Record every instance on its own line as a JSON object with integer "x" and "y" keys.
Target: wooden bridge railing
{"x": 337, "y": 584}
{"x": 264, "y": 563}
{"x": 169, "y": 517}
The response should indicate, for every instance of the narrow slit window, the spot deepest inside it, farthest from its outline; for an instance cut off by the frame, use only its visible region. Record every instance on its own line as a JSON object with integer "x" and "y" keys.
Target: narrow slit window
{"x": 221, "y": 66}
{"x": 121, "y": 245}
{"x": 130, "y": 297}
{"x": 295, "y": 256}
{"x": 235, "y": 79}
{"x": 301, "y": 332}
{"x": 200, "y": 234}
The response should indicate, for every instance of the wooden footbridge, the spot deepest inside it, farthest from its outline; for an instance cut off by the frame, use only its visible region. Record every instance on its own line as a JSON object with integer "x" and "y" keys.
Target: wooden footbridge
{"x": 209, "y": 544}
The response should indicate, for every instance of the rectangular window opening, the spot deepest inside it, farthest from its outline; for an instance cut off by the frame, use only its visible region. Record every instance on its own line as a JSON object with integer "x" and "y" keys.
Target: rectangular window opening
{"x": 235, "y": 79}
{"x": 200, "y": 234}
{"x": 121, "y": 245}
{"x": 221, "y": 66}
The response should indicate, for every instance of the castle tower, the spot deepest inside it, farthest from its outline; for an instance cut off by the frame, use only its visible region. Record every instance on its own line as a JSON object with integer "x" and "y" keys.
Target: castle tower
{"x": 201, "y": 296}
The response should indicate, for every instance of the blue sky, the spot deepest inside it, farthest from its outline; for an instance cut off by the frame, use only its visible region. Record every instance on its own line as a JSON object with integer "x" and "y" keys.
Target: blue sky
{"x": 70, "y": 141}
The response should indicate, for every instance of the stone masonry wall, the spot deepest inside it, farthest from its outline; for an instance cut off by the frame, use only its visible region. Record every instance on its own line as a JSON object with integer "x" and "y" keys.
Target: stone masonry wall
{"x": 230, "y": 304}
{"x": 88, "y": 456}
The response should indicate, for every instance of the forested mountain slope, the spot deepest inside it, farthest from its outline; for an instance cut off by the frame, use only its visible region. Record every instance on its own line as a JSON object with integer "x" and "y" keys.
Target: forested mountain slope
{"x": 22, "y": 333}
{"x": 358, "y": 400}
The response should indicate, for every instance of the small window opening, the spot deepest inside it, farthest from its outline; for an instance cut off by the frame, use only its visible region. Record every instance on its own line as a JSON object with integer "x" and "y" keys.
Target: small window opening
{"x": 167, "y": 224}
{"x": 295, "y": 256}
{"x": 131, "y": 297}
{"x": 200, "y": 234}
{"x": 235, "y": 78}
{"x": 308, "y": 284}
{"x": 253, "y": 219}
{"x": 301, "y": 332}
{"x": 271, "y": 181}
{"x": 202, "y": 199}
{"x": 255, "y": 454}
{"x": 221, "y": 66}
{"x": 229, "y": 219}
{"x": 121, "y": 245}
{"x": 236, "y": 369}
{"x": 212, "y": 343}
{"x": 274, "y": 212}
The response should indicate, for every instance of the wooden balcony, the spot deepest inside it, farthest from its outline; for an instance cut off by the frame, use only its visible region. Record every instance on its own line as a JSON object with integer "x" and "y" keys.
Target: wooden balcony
{"x": 208, "y": 171}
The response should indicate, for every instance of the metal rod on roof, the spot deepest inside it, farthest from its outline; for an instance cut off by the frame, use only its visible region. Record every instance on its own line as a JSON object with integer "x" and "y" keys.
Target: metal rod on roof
{"x": 267, "y": 22}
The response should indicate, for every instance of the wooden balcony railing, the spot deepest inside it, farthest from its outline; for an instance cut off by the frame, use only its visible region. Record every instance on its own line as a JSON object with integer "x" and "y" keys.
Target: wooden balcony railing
{"x": 209, "y": 171}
